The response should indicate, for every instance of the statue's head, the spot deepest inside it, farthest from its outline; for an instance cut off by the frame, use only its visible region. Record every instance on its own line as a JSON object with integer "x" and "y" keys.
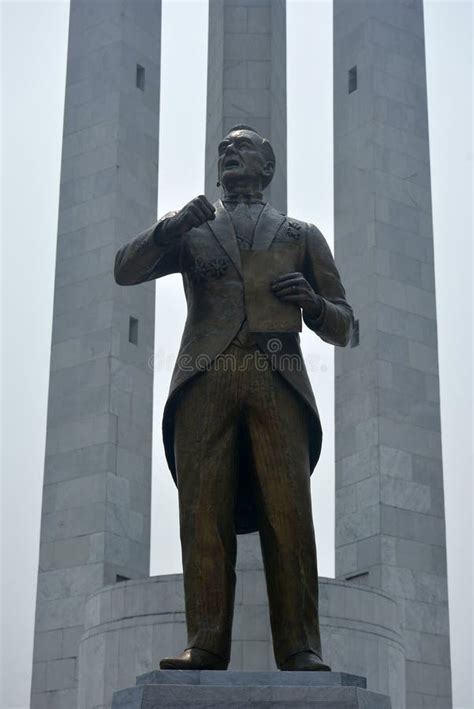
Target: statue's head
{"x": 246, "y": 160}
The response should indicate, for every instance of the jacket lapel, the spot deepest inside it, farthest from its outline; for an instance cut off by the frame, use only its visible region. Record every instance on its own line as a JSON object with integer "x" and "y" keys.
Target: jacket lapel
{"x": 223, "y": 230}
{"x": 267, "y": 227}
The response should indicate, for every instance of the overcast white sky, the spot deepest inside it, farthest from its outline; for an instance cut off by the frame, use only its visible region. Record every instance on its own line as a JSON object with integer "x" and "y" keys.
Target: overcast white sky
{"x": 34, "y": 42}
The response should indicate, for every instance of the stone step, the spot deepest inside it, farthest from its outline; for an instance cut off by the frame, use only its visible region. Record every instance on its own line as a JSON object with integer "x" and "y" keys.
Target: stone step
{"x": 253, "y": 679}
{"x": 181, "y": 689}
{"x": 184, "y": 696}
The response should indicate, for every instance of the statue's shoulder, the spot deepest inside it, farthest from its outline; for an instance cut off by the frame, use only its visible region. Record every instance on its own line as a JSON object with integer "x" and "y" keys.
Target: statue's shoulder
{"x": 298, "y": 223}
{"x": 304, "y": 229}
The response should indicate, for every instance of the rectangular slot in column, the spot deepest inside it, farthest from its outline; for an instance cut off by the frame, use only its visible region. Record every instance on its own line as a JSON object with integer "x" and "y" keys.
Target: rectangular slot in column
{"x": 352, "y": 82}
{"x": 140, "y": 78}
{"x": 133, "y": 331}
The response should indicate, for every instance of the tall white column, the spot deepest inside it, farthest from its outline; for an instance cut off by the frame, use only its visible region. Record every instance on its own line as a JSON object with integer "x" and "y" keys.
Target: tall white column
{"x": 246, "y": 81}
{"x": 390, "y": 526}
{"x": 96, "y": 498}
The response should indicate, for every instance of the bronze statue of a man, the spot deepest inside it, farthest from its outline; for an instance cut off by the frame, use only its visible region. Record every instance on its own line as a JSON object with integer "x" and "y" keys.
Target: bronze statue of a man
{"x": 242, "y": 439}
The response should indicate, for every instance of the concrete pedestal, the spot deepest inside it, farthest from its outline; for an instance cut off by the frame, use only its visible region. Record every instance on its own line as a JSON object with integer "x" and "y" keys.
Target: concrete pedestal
{"x": 334, "y": 690}
{"x": 130, "y": 626}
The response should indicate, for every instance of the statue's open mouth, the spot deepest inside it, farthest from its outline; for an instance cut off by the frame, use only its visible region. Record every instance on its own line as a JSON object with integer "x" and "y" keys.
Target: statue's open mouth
{"x": 231, "y": 163}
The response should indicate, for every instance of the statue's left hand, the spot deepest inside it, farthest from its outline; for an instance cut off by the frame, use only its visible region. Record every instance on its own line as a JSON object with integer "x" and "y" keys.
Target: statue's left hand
{"x": 294, "y": 288}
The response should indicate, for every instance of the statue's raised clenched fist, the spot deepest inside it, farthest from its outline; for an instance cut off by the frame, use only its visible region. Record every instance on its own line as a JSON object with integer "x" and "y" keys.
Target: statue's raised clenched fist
{"x": 193, "y": 214}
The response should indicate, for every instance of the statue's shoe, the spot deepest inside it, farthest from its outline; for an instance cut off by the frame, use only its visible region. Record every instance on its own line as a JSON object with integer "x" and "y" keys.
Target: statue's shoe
{"x": 194, "y": 659}
{"x": 304, "y": 662}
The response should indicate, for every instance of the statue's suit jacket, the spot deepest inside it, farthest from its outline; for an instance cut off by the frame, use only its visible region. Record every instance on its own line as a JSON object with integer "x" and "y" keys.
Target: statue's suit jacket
{"x": 208, "y": 257}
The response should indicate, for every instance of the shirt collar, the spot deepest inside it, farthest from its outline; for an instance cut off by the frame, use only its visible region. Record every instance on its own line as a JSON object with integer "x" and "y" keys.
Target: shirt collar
{"x": 256, "y": 198}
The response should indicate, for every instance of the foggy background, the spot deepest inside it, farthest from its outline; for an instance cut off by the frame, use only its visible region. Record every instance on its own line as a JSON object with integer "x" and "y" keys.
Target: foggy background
{"x": 34, "y": 44}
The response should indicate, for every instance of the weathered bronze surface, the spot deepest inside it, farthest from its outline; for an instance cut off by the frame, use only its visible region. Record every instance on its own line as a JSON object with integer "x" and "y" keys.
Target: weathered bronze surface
{"x": 241, "y": 427}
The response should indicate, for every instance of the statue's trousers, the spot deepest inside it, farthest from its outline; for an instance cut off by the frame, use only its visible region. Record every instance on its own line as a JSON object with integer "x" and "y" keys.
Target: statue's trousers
{"x": 239, "y": 392}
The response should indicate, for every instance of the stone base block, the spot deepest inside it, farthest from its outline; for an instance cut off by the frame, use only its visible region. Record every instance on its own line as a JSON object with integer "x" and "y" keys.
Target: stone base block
{"x": 259, "y": 690}
{"x": 130, "y": 626}
{"x": 253, "y": 679}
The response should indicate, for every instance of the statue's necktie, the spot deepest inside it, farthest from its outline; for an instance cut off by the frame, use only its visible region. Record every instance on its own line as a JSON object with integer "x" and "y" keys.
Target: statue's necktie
{"x": 244, "y": 225}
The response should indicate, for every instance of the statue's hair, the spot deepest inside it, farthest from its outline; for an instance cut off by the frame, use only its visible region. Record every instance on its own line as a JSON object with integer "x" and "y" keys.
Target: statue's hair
{"x": 266, "y": 147}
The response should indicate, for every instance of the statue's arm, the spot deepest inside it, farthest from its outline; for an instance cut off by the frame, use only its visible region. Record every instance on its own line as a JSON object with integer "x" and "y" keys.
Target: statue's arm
{"x": 152, "y": 254}
{"x": 335, "y": 321}
{"x": 157, "y": 252}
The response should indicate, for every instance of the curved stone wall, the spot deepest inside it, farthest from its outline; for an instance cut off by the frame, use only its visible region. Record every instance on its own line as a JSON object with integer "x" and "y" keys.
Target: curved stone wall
{"x": 130, "y": 626}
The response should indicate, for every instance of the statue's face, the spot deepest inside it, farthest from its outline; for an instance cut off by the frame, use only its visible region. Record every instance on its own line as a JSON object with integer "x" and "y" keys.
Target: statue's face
{"x": 241, "y": 159}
